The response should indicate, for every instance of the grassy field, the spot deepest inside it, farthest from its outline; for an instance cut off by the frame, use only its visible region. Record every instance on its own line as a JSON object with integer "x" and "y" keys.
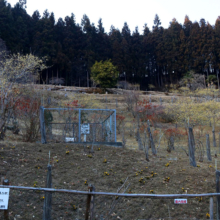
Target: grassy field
{"x": 74, "y": 166}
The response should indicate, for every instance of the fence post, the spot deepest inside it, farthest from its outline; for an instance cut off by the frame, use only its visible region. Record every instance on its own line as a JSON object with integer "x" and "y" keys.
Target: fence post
{"x": 154, "y": 151}
{"x": 140, "y": 146}
{"x": 90, "y": 204}
{"x": 170, "y": 144}
{"x": 214, "y": 140}
{"x": 48, "y": 196}
{"x": 217, "y": 173}
{"x": 211, "y": 209}
{"x": 115, "y": 120}
{"x": 191, "y": 148}
{"x": 219, "y": 141}
{"x": 42, "y": 125}
{"x": 208, "y": 148}
{"x": 92, "y": 213}
{"x": 6, "y": 216}
{"x": 79, "y": 135}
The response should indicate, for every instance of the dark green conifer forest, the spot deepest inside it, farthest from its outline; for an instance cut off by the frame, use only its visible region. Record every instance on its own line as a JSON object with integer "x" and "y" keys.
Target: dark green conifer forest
{"x": 158, "y": 57}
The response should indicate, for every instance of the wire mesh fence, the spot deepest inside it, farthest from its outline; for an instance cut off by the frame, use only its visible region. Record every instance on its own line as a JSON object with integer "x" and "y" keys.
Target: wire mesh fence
{"x": 77, "y": 125}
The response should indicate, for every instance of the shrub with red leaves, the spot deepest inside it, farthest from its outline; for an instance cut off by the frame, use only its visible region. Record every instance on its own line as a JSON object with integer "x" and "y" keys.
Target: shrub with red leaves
{"x": 174, "y": 132}
{"x": 148, "y": 111}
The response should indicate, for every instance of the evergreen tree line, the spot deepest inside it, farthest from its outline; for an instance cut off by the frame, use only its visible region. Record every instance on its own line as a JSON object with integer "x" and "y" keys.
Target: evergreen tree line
{"x": 158, "y": 57}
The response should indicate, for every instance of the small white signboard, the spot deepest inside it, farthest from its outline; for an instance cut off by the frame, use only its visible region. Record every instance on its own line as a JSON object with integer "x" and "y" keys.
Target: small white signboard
{"x": 4, "y": 197}
{"x": 69, "y": 139}
{"x": 180, "y": 201}
{"x": 85, "y": 129}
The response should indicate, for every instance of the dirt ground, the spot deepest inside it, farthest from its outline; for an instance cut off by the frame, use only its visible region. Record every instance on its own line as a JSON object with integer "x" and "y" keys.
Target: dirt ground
{"x": 75, "y": 167}
{"x": 25, "y": 164}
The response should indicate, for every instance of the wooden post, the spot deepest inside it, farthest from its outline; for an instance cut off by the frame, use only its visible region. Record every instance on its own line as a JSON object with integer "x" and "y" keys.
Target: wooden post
{"x": 211, "y": 209}
{"x": 90, "y": 204}
{"x": 191, "y": 148}
{"x": 208, "y": 148}
{"x": 140, "y": 147}
{"x": 214, "y": 140}
{"x": 219, "y": 141}
{"x": 217, "y": 173}
{"x": 154, "y": 151}
{"x": 170, "y": 144}
{"x": 48, "y": 196}
{"x": 6, "y": 216}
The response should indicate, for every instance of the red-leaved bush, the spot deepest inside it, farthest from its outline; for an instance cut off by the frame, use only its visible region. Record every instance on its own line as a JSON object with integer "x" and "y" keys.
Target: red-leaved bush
{"x": 72, "y": 104}
{"x": 174, "y": 132}
{"x": 27, "y": 112}
{"x": 148, "y": 111}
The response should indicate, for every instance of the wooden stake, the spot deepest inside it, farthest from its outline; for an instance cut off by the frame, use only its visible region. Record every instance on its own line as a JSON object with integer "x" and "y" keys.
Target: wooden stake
{"x": 90, "y": 204}
{"x": 211, "y": 209}
{"x": 208, "y": 148}
{"x": 191, "y": 148}
{"x": 217, "y": 190}
{"x": 48, "y": 196}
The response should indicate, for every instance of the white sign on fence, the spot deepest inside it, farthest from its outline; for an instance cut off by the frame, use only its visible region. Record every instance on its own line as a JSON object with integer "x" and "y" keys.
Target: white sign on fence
{"x": 4, "y": 197}
{"x": 180, "y": 201}
{"x": 85, "y": 129}
{"x": 69, "y": 139}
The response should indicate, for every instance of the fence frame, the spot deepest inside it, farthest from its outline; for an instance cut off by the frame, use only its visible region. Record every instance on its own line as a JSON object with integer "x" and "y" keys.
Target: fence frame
{"x": 170, "y": 196}
{"x": 42, "y": 121}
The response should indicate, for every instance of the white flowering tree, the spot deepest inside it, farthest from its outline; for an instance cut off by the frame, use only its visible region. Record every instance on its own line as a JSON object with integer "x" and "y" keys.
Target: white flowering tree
{"x": 16, "y": 71}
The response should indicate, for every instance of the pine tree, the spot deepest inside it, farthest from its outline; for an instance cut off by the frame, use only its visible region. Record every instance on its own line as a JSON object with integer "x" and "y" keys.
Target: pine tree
{"x": 90, "y": 34}
{"x": 21, "y": 25}
{"x": 216, "y": 42}
{"x": 6, "y": 25}
{"x": 103, "y": 47}
{"x": 116, "y": 48}
{"x": 187, "y": 28}
{"x": 73, "y": 46}
{"x": 171, "y": 49}
{"x": 157, "y": 23}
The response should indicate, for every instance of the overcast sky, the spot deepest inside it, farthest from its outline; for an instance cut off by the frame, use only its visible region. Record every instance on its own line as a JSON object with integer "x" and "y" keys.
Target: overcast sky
{"x": 135, "y": 13}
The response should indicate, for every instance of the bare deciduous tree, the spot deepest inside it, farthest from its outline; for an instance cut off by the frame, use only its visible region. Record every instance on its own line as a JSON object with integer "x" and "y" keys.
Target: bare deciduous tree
{"x": 131, "y": 99}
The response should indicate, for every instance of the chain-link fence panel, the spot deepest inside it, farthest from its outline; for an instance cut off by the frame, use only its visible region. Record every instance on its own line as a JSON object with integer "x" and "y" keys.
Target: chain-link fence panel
{"x": 77, "y": 125}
